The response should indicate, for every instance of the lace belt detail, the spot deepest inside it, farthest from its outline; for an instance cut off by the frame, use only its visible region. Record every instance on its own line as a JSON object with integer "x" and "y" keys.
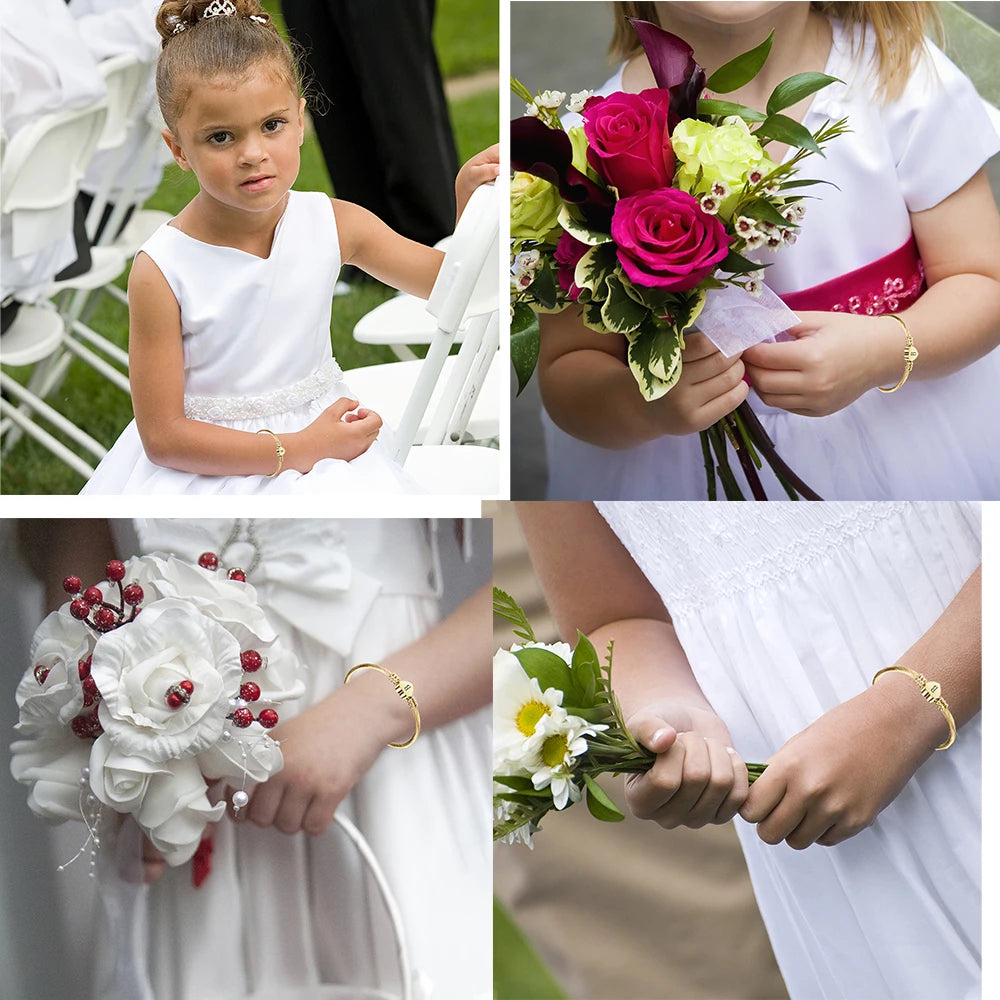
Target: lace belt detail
{"x": 213, "y": 408}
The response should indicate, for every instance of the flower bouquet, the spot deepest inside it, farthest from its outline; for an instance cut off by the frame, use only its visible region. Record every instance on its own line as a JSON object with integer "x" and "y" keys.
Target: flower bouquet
{"x": 557, "y": 725}
{"x": 644, "y": 218}
{"x": 145, "y": 689}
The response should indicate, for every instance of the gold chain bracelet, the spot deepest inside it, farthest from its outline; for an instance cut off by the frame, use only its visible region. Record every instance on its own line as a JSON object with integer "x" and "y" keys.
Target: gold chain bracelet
{"x": 405, "y": 691}
{"x": 931, "y": 691}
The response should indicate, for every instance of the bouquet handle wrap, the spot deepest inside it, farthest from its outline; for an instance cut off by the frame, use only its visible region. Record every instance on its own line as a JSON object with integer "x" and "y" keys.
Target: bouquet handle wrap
{"x": 122, "y": 965}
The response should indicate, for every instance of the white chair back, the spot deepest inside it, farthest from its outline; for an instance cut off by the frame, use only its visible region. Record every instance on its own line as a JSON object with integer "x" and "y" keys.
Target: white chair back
{"x": 42, "y": 168}
{"x": 466, "y": 291}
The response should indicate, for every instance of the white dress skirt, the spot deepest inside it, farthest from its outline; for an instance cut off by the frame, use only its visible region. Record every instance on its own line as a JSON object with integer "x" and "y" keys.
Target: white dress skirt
{"x": 932, "y": 440}
{"x": 256, "y": 339}
{"x": 785, "y": 611}
{"x": 297, "y": 913}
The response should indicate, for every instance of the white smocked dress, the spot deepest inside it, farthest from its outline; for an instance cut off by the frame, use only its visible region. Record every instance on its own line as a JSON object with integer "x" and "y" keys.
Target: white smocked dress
{"x": 785, "y": 611}
{"x": 935, "y": 439}
{"x": 282, "y": 913}
{"x": 256, "y": 337}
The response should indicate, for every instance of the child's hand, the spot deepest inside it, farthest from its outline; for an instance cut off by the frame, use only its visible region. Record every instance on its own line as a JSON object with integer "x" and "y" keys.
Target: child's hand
{"x": 830, "y": 781}
{"x": 327, "y": 749}
{"x": 697, "y": 778}
{"x": 834, "y": 359}
{"x": 338, "y": 432}
{"x": 711, "y": 385}
{"x": 481, "y": 169}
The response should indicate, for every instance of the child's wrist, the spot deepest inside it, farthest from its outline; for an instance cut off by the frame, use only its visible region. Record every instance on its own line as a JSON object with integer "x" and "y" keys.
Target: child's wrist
{"x": 887, "y": 345}
{"x": 297, "y": 452}
{"x": 908, "y": 715}
{"x": 387, "y": 716}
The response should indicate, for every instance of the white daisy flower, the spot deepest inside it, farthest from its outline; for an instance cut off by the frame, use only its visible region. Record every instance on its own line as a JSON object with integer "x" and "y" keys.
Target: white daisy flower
{"x": 519, "y": 709}
{"x": 578, "y": 100}
{"x": 552, "y": 763}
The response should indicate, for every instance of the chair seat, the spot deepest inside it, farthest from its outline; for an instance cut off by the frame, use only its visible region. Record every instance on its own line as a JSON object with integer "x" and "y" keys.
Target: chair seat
{"x": 387, "y": 388}
{"x": 106, "y": 264}
{"x": 450, "y": 470}
{"x": 403, "y": 319}
{"x": 35, "y": 333}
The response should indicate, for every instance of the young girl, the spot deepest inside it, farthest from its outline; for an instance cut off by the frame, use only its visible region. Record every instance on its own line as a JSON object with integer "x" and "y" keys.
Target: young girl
{"x": 233, "y": 383}
{"x": 768, "y": 630}
{"x": 907, "y": 227}
{"x": 286, "y": 909}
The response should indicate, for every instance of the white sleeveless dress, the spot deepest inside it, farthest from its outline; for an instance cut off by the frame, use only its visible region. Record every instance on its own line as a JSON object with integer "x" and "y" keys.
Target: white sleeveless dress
{"x": 256, "y": 337}
{"x": 785, "y": 611}
{"x": 282, "y": 913}
{"x": 932, "y": 440}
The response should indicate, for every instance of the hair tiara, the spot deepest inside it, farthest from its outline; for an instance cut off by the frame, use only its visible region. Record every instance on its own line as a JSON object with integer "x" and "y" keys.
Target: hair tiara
{"x": 217, "y": 8}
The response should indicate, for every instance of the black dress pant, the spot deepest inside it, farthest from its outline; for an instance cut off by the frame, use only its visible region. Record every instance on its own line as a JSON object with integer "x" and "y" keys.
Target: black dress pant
{"x": 386, "y": 136}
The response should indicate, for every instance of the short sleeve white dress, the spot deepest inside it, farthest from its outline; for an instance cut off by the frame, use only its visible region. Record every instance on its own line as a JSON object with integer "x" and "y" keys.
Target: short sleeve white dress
{"x": 283, "y": 916}
{"x": 931, "y": 440}
{"x": 256, "y": 338}
{"x": 785, "y": 611}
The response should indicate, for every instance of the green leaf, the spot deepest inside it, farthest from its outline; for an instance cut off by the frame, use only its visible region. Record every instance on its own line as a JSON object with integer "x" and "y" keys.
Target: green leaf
{"x": 545, "y": 287}
{"x": 711, "y": 106}
{"x": 551, "y": 670}
{"x": 740, "y": 71}
{"x": 525, "y": 341}
{"x": 620, "y": 311}
{"x": 736, "y": 264}
{"x": 586, "y": 670}
{"x": 761, "y": 208}
{"x": 600, "y": 804}
{"x": 654, "y": 356}
{"x": 518, "y": 972}
{"x": 592, "y": 317}
{"x": 576, "y": 227}
{"x": 781, "y": 128}
{"x": 594, "y": 268}
{"x": 519, "y": 783}
{"x": 795, "y": 88}
{"x": 504, "y": 606}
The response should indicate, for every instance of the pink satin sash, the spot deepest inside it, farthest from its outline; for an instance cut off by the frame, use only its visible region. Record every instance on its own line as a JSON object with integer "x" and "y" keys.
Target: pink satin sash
{"x": 890, "y": 284}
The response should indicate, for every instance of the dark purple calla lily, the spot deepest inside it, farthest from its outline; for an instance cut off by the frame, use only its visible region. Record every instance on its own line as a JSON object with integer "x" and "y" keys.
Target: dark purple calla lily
{"x": 674, "y": 68}
{"x": 548, "y": 153}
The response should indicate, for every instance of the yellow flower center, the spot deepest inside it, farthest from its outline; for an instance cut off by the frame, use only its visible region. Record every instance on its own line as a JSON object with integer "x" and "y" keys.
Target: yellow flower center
{"x": 554, "y": 750}
{"x": 528, "y": 717}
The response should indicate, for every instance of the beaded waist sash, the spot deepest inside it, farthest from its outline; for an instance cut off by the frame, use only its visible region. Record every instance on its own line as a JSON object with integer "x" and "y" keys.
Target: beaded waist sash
{"x": 889, "y": 284}
{"x": 213, "y": 408}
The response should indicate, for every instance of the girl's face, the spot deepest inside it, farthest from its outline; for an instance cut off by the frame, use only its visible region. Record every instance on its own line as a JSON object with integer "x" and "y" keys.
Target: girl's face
{"x": 241, "y": 139}
{"x": 719, "y": 12}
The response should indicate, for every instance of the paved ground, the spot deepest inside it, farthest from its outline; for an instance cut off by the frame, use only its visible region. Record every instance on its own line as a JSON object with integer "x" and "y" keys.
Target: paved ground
{"x": 563, "y": 46}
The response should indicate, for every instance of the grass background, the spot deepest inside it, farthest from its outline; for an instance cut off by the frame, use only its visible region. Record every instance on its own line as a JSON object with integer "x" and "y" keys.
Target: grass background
{"x": 466, "y": 34}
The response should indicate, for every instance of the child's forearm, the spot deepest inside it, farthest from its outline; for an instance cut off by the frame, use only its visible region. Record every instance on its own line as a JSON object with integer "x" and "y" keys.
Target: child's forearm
{"x": 648, "y": 665}
{"x": 450, "y": 669}
{"x": 954, "y": 323}
{"x": 207, "y": 449}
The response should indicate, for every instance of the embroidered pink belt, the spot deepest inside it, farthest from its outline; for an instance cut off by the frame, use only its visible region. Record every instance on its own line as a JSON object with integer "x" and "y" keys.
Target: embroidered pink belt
{"x": 890, "y": 284}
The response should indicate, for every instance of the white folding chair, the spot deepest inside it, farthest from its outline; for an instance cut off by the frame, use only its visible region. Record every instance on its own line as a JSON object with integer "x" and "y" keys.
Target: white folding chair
{"x": 441, "y": 391}
{"x": 39, "y": 178}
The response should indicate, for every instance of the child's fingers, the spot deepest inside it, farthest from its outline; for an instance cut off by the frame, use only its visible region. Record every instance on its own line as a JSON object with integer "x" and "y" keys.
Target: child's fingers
{"x": 765, "y": 793}
{"x": 652, "y": 732}
{"x": 319, "y": 815}
{"x": 697, "y": 346}
{"x": 696, "y": 777}
{"x": 782, "y": 820}
{"x": 718, "y": 787}
{"x": 738, "y": 792}
{"x": 153, "y": 862}
{"x": 341, "y": 407}
{"x": 775, "y": 382}
{"x": 291, "y": 810}
{"x": 649, "y": 793}
{"x": 810, "y": 830}
{"x": 783, "y": 355}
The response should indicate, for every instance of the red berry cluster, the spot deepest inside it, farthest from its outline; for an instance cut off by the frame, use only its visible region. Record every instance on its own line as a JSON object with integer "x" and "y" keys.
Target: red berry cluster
{"x": 210, "y": 561}
{"x": 251, "y": 661}
{"x": 106, "y": 616}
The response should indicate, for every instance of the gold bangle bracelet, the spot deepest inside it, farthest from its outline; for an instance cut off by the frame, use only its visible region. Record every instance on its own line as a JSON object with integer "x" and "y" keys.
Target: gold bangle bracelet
{"x": 405, "y": 691}
{"x": 931, "y": 691}
{"x": 910, "y": 354}
{"x": 279, "y": 450}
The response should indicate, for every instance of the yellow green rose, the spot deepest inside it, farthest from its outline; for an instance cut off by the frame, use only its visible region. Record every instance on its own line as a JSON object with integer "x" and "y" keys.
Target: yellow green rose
{"x": 534, "y": 208}
{"x": 727, "y": 152}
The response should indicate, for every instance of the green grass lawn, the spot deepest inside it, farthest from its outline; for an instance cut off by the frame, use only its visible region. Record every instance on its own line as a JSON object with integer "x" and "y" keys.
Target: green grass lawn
{"x": 466, "y": 35}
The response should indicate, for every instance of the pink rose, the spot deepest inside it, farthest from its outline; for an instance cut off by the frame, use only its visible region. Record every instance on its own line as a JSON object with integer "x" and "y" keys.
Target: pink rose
{"x": 665, "y": 240}
{"x": 569, "y": 251}
{"x": 629, "y": 142}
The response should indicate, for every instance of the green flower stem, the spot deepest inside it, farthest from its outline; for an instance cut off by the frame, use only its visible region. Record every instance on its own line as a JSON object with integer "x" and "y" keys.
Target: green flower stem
{"x": 765, "y": 445}
{"x": 729, "y": 484}
{"x": 706, "y": 451}
{"x": 743, "y": 448}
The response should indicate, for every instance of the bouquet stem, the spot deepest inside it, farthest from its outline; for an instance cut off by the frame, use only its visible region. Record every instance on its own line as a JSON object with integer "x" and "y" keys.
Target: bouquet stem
{"x": 751, "y": 443}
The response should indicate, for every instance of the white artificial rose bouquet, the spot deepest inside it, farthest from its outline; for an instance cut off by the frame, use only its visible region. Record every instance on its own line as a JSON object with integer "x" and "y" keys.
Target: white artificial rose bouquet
{"x": 145, "y": 689}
